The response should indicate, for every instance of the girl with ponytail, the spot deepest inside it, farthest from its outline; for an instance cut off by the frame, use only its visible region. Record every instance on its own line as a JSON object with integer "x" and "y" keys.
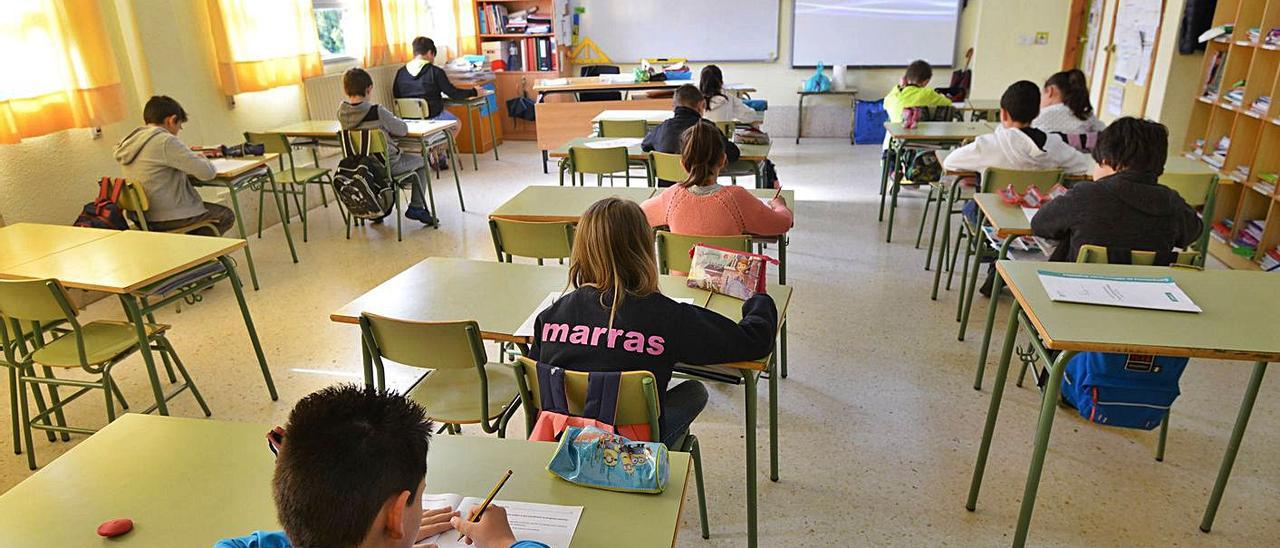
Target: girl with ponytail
{"x": 720, "y": 106}
{"x": 1065, "y": 107}
{"x": 700, "y": 205}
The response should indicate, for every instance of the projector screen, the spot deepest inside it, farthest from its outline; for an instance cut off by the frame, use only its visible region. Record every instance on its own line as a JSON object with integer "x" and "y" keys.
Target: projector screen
{"x": 874, "y": 33}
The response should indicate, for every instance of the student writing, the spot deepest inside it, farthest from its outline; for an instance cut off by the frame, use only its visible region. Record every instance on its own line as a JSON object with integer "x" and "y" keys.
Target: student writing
{"x": 358, "y": 113}
{"x": 1125, "y": 206}
{"x": 615, "y": 319}
{"x": 666, "y": 137}
{"x": 701, "y": 206}
{"x": 154, "y": 156}
{"x": 913, "y": 91}
{"x": 1065, "y": 106}
{"x": 351, "y": 473}
{"x": 420, "y": 78}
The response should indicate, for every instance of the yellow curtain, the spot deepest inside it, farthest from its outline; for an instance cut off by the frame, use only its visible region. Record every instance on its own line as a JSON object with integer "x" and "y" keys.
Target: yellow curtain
{"x": 61, "y": 69}
{"x": 393, "y": 24}
{"x": 466, "y": 29}
{"x": 262, "y": 44}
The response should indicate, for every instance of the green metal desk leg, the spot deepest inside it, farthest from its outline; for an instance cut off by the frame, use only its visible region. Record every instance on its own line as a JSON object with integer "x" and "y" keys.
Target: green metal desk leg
{"x": 884, "y": 178}
{"x": 894, "y": 187}
{"x": 1164, "y": 436}
{"x": 144, "y": 348}
{"x": 1048, "y": 406}
{"x": 475, "y": 163}
{"x": 946, "y": 240}
{"x": 1233, "y": 446}
{"x": 973, "y": 288}
{"x": 800, "y": 119}
{"x": 773, "y": 419}
{"x": 248, "y": 257}
{"x": 236, "y": 287}
{"x": 924, "y": 214}
{"x": 933, "y": 231}
{"x": 493, "y": 133}
{"x": 782, "y": 355}
{"x": 284, "y": 215}
{"x": 453, "y": 166}
{"x": 431, "y": 195}
{"x": 749, "y": 383}
{"x": 993, "y": 409}
{"x": 996, "y": 285}
{"x": 782, "y": 259}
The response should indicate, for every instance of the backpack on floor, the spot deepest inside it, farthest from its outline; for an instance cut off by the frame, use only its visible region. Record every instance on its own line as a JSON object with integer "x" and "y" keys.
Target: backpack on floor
{"x": 1125, "y": 390}
{"x": 361, "y": 181}
{"x": 868, "y": 126}
{"x": 915, "y": 165}
{"x": 104, "y": 211}
{"x": 598, "y": 411}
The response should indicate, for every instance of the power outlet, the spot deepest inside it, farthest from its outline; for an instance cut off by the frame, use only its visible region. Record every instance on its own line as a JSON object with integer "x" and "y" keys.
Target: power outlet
{"x": 95, "y": 133}
{"x": 1025, "y": 40}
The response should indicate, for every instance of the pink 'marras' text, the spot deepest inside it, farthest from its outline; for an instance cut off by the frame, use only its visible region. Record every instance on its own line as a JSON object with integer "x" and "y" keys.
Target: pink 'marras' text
{"x": 630, "y": 341}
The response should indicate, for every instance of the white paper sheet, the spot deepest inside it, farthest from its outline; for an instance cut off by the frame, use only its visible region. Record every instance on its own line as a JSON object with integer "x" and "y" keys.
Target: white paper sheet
{"x": 1125, "y": 291}
{"x": 550, "y": 524}
{"x": 613, "y": 143}
{"x": 227, "y": 165}
{"x": 1115, "y": 97}
{"x": 554, "y": 82}
{"x": 1029, "y": 212}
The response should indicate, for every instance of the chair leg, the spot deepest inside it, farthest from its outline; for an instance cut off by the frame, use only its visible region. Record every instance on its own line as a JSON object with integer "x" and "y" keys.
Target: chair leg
{"x": 168, "y": 367}
{"x": 109, "y": 394}
{"x": 696, "y": 453}
{"x": 167, "y": 347}
{"x": 26, "y": 421}
{"x": 260, "y": 203}
{"x": 924, "y": 215}
{"x": 115, "y": 388}
{"x": 14, "y": 417}
{"x": 302, "y": 209}
{"x": 1164, "y": 434}
{"x": 955, "y": 255}
{"x": 55, "y": 403}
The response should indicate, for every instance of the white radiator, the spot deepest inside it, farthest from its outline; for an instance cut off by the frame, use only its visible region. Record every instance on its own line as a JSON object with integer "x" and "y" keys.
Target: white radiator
{"x": 325, "y": 92}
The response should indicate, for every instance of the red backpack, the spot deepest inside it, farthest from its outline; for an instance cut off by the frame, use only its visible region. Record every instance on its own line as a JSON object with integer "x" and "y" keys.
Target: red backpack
{"x": 104, "y": 212}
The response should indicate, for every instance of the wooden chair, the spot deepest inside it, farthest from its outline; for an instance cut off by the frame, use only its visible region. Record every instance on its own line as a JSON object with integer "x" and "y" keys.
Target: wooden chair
{"x": 535, "y": 240}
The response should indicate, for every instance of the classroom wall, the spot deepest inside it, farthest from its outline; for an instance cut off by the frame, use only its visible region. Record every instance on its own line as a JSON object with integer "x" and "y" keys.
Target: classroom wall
{"x": 1170, "y": 98}
{"x": 1003, "y": 54}
{"x": 163, "y": 47}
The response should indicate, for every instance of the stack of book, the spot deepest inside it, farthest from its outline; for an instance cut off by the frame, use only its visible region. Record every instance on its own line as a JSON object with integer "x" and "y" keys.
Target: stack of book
{"x": 1219, "y": 153}
{"x": 1240, "y": 173}
{"x": 1267, "y": 182}
{"x": 1261, "y": 105}
{"x": 1235, "y": 95}
{"x": 1254, "y": 34}
{"x": 492, "y": 18}
{"x": 1271, "y": 260}
{"x": 1221, "y": 230}
{"x": 1273, "y": 38}
{"x": 1246, "y": 242}
{"x": 538, "y": 24}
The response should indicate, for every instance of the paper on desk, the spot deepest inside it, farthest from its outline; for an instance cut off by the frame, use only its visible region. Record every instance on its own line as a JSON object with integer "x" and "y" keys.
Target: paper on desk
{"x": 550, "y": 524}
{"x": 226, "y": 165}
{"x": 1029, "y": 212}
{"x": 1125, "y": 291}
{"x": 624, "y": 142}
{"x": 421, "y": 126}
{"x": 554, "y": 82}
{"x": 526, "y": 329}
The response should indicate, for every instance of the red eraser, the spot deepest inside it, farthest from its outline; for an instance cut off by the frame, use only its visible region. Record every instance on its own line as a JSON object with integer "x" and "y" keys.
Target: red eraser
{"x": 115, "y": 527}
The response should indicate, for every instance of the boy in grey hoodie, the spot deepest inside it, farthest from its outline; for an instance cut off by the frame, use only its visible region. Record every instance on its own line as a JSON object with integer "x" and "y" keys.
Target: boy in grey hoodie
{"x": 358, "y": 113}
{"x": 154, "y": 156}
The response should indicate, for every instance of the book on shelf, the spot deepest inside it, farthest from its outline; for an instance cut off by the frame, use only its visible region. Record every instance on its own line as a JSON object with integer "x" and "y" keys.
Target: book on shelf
{"x": 1271, "y": 260}
{"x": 1261, "y": 105}
{"x": 1254, "y": 33}
{"x": 1273, "y": 38}
{"x": 1235, "y": 95}
{"x": 1214, "y": 79}
{"x": 530, "y": 54}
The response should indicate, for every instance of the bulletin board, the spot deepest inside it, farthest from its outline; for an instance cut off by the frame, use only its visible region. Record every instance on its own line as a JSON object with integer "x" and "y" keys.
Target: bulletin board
{"x": 1134, "y": 34}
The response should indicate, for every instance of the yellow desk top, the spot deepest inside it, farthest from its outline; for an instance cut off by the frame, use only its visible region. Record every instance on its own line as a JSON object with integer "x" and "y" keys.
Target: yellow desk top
{"x": 191, "y": 482}
{"x": 939, "y": 131}
{"x": 24, "y": 242}
{"x": 230, "y": 168}
{"x": 586, "y": 83}
{"x": 499, "y": 296}
{"x": 125, "y": 261}
{"x": 1008, "y": 220}
{"x": 330, "y": 128}
{"x": 977, "y": 104}
{"x": 653, "y": 117}
{"x": 562, "y": 203}
{"x": 751, "y": 153}
{"x": 1182, "y": 165}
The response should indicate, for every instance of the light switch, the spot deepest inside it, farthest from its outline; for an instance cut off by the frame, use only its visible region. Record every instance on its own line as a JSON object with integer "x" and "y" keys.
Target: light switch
{"x": 1042, "y": 38}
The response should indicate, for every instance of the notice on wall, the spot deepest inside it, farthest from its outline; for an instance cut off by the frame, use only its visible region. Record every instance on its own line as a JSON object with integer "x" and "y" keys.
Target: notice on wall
{"x": 1114, "y": 100}
{"x": 1137, "y": 22}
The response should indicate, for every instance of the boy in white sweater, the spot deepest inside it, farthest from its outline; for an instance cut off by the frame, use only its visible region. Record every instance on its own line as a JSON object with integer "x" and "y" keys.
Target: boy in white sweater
{"x": 1017, "y": 145}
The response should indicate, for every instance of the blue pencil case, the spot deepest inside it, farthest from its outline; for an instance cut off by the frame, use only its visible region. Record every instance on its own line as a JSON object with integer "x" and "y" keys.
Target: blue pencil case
{"x": 591, "y": 457}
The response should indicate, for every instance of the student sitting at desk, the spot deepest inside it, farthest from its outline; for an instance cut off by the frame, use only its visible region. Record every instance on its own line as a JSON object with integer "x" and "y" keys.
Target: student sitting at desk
{"x": 420, "y": 78}
{"x": 1125, "y": 206}
{"x": 913, "y": 91}
{"x": 1065, "y": 106}
{"x": 665, "y": 137}
{"x": 351, "y": 472}
{"x": 701, "y": 206}
{"x": 616, "y": 320}
{"x": 721, "y": 106}
{"x": 357, "y": 113}
{"x": 154, "y": 156}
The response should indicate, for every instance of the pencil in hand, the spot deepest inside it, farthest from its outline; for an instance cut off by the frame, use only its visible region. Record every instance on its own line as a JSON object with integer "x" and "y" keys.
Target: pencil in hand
{"x": 479, "y": 511}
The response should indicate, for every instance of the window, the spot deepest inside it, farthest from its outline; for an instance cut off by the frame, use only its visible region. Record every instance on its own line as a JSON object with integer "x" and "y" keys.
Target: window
{"x": 337, "y": 27}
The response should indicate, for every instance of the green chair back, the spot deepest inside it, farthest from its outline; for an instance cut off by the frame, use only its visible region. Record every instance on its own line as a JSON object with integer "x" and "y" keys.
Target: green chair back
{"x": 1097, "y": 254}
{"x": 276, "y": 143}
{"x": 134, "y": 198}
{"x": 1199, "y": 191}
{"x": 536, "y": 240}
{"x": 637, "y": 394}
{"x": 667, "y": 166}
{"x": 673, "y": 249}
{"x": 412, "y": 109}
{"x": 598, "y": 160}
{"x": 39, "y": 301}
{"x": 623, "y": 128}
{"x": 429, "y": 345}
{"x": 995, "y": 178}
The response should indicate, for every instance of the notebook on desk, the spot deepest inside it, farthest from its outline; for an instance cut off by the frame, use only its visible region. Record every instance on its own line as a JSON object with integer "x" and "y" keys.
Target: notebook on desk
{"x": 550, "y": 524}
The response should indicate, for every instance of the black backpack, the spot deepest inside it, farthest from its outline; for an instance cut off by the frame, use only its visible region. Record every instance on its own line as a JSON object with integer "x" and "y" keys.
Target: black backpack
{"x": 361, "y": 182}
{"x": 104, "y": 212}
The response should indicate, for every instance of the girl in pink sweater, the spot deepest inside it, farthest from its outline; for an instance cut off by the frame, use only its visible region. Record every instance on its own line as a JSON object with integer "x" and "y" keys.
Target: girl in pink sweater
{"x": 699, "y": 206}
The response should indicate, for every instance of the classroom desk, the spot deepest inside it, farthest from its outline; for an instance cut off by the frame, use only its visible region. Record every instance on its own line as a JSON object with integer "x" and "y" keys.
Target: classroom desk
{"x": 651, "y": 117}
{"x": 853, "y": 104}
{"x": 475, "y": 103}
{"x": 941, "y": 133}
{"x": 25, "y": 242}
{"x": 191, "y": 482}
{"x": 1230, "y": 327}
{"x": 756, "y": 154}
{"x": 128, "y": 264}
{"x": 499, "y": 296}
{"x": 251, "y": 176}
{"x": 595, "y": 83}
{"x": 979, "y": 109}
{"x": 420, "y": 132}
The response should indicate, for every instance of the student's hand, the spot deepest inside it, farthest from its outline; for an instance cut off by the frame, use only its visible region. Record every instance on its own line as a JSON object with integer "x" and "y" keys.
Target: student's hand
{"x": 436, "y": 521}
{"x": 778, "y": 201}
{"x": 492, "y": 531}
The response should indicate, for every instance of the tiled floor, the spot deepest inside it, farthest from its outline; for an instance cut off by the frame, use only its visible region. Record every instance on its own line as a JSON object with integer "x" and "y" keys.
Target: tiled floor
{"x": 880, "y": 422}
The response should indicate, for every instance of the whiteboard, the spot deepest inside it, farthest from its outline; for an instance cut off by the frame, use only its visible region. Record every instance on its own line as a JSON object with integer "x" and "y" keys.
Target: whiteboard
{"x": 697, "y": 30}
{"x": 874, "y": 33}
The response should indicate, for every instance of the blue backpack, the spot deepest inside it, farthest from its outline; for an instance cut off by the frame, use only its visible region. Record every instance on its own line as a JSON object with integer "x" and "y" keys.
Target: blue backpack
{"x": 1125, "y": 390}
{"x": 869, "y": 119}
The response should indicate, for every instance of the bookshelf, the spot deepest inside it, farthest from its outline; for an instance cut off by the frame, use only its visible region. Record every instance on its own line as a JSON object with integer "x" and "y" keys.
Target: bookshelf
{"x": 1235, "y": 128}
{"x": 496, "y": 41}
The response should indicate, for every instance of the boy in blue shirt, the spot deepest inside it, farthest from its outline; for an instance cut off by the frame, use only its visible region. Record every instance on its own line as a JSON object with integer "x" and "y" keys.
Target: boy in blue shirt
{"x": 351, "y": 473}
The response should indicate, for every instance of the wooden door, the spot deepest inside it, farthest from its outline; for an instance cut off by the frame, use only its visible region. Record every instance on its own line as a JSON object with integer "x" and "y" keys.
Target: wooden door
{"x": 1130, "y": 58}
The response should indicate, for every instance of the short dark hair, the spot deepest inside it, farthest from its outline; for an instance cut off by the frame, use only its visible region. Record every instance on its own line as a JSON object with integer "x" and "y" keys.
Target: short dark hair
{"x": 918, "y": 72}
{"x": 423, "y": 45}
{"x": 346, "y": 449}
{"x": 356, "y": 81}
{"x": 687, "y": 95}
{"x": 1133, "y": 144}
{"x": 160, "y": 107}
{"x": 1021, "y": 101}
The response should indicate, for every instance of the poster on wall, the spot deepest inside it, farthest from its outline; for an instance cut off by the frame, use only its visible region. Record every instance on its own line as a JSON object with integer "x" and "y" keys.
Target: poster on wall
{"x": 1134, "y": 37}
{"x": 1115, "y": 96}
{"x": 1094, "y": 28}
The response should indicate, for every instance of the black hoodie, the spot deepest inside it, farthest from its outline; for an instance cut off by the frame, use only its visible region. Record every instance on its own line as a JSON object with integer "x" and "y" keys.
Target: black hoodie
{"x": 1126, "y": 210}
{"x": 427, "y": 83}
{"x": 665, "y": 137}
